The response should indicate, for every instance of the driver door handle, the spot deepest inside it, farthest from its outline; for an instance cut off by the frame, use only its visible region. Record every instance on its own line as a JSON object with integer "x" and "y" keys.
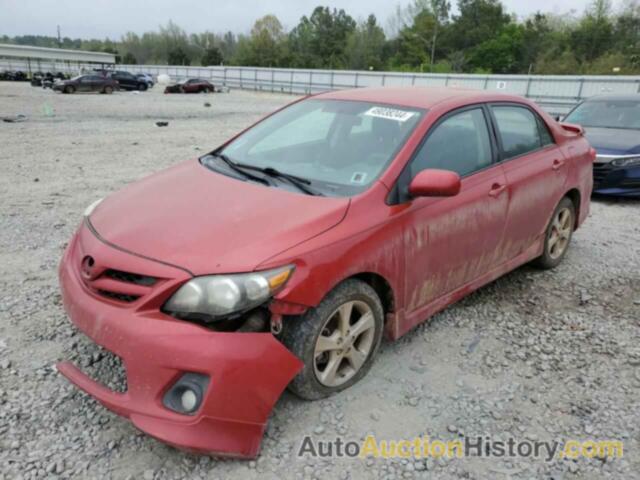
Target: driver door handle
{"x": 497, "y": 189}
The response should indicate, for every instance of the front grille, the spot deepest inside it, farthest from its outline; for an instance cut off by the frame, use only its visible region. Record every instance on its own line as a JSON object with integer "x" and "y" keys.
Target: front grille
{"x": 600, "y": 172}
{"x": 630, "y": 183}
{"x": 129, "y": 277}
{"x": 121, "y": 297}
{"x": 120, "y": 286}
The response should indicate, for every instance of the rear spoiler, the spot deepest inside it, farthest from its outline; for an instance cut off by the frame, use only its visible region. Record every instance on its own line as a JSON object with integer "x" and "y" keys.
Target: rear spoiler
{"x": 573, "y": 128}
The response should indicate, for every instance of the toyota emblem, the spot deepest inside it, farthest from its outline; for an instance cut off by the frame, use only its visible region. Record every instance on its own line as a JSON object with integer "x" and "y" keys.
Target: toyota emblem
{"x": 87, "y": 266}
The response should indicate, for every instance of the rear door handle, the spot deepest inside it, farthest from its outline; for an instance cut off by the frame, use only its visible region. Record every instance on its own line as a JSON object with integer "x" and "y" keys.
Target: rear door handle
{"x": 557, "y": 164}
{"x": 497, "y": 189}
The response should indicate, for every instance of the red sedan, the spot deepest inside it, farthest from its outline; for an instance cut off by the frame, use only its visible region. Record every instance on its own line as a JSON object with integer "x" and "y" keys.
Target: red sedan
{"x": 192, "y": 85}
{"x": 282, "y": 257}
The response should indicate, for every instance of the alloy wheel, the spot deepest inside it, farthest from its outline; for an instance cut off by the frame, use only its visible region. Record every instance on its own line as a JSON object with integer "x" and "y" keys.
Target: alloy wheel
{"x": 560, "y": 233}
{"x": 344, "y": 344}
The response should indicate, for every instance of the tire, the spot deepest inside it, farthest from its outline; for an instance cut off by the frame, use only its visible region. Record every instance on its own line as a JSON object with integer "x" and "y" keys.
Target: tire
{"x": 142, "y": 87}
{"x": 341, "y": 348}
{"x": 69, "y": 89}
{"x": 557, "y": 235}
{"x": 108, "y": 90}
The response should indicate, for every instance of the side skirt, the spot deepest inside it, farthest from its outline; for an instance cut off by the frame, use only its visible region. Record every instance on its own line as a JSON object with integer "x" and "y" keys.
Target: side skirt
{"x": 402, "y": 323}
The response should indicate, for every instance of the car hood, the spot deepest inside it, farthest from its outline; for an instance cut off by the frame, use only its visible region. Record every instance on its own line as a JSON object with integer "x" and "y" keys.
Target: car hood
{"x": 206, "y": 222}
{"x": 614, "y": 141}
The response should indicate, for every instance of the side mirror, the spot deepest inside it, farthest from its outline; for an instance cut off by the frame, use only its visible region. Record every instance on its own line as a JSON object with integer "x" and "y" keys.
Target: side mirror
{"x": 435, "y": 183}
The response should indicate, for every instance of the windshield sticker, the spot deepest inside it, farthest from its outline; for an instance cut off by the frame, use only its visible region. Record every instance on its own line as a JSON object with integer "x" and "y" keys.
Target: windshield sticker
{"x": 359, "y": 178}
{"x": 389, "y": 113}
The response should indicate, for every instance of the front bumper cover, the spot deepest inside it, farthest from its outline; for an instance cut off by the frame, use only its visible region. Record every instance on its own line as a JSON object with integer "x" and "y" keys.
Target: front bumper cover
{"x": 247, "y": 371}
{"x": 617, "y": 181}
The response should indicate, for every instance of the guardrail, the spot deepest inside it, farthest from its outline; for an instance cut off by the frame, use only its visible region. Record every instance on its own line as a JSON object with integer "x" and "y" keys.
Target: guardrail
{"x": 556, "y": 94}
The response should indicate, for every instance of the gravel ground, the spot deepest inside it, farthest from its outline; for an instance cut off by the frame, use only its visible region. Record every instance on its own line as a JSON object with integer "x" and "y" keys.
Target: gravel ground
{"x": 535, "y": 355}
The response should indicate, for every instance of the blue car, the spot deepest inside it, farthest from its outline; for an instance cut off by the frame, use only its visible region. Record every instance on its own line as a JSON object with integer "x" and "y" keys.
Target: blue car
{"x": 612, "y": 126}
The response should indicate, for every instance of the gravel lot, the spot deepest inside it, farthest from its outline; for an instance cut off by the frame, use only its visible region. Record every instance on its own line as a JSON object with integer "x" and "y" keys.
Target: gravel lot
{"x": 535, "y": 355}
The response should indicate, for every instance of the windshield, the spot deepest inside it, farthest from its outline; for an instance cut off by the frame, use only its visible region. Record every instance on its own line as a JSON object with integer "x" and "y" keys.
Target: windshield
{"x": 607, "y": 114}
{"x": 341, "y": 147}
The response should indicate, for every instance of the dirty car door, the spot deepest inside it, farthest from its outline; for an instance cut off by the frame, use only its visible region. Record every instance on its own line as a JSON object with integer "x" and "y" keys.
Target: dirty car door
{"x": 84, "y": 84}
{"x": 454, "y": 240}
{"x": 536, "y": 172}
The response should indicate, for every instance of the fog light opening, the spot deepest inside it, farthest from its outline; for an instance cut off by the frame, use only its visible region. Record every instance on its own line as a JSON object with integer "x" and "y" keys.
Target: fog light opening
{"x": 187, "y": 394}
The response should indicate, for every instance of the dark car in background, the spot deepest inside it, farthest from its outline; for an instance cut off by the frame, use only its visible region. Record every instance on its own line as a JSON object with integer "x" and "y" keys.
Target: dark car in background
{"x": 192, "y": 85}
{"x": 86, "y": 83}
{"x": 612, "y": 126}
{"x": 128, "y": 81}
{"x": 145, "y": 77}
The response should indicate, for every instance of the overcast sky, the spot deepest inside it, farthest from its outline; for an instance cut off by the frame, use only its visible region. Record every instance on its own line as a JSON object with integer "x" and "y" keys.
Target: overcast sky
{"x": 112, "y": 18}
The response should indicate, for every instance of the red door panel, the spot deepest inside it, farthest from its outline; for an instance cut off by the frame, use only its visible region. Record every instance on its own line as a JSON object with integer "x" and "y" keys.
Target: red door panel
{"x": 452, "y": 241}
{"x": 536, "y": 184}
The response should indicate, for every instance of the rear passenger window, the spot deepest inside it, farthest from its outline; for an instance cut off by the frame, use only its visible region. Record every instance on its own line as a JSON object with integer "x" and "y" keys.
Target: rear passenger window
{"x": 519, "y": 130}
{"x": 461, "y": 143}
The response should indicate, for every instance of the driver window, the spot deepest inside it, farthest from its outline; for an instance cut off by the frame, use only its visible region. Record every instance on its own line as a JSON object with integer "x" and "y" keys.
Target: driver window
{"x": 461, "y": 143}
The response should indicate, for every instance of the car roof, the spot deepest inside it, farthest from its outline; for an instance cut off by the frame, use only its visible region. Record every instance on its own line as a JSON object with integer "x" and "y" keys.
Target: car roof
{"x": 629, "y": 97}
{"x": 419, "y": 97}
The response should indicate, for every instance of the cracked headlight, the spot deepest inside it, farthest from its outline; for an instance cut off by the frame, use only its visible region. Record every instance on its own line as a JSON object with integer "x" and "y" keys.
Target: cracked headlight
{"x": 626, "y": 162}
{"x": 220, "y": 295}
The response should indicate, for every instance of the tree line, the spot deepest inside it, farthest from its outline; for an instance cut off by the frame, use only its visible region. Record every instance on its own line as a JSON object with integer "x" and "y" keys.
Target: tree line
{"x": 480, "y": 36}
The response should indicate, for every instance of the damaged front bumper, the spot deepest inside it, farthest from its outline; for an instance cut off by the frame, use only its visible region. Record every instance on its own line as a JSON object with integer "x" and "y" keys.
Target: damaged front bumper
{"x": 247, "y": 372}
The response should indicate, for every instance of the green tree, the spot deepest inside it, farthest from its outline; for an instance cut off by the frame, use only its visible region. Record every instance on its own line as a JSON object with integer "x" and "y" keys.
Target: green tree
{"x": 129, "y": 59}
{"x": 212, "y": 56}
{"x": 267, "y": 38}
{"x": 476, "y": 22}
{"x": 365, "y": 46}
{"x": 319, "y": 40}
{"x": 177, "y": 56}
{"x": 594, "y": 34}
{"x": 501, "y": 54}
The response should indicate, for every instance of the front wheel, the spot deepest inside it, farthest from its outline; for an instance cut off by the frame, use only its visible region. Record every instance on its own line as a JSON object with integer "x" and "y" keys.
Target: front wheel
{"x": 69, "y": 89}
{"x": 108, "y": 89}
{"x": 337, "y": 340}
{"x": 558, "y": 235}
{"x": 142, "y": 87}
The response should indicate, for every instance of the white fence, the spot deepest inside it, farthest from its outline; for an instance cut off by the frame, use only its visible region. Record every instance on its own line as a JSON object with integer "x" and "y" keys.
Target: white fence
{"x": 556, "y": 94}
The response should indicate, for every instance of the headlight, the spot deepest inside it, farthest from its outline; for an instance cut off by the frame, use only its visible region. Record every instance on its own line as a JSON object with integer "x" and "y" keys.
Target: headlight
{"x": 626, "y": 162}
{"x": 89, "y": 210}
{"x": 220, "y": 295}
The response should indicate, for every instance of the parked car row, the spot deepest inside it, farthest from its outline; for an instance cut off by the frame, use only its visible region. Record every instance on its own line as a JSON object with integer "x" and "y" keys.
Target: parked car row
{"x": 14, "y": 76}
{"x": 46, "y": 80}
{"x": 87, "y": 83}
{"x": 128, "y": 81}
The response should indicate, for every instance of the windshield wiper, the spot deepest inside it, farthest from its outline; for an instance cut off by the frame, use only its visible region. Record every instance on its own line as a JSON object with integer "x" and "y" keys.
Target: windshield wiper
{"x": 300, "y": 183}
{"x": 239, "y": 168}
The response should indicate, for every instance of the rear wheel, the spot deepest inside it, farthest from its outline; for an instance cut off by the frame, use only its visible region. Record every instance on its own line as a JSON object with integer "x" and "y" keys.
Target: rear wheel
{"x": 108, "y": 89}
{"x": 337, "y": 341}
{"x": 69, "y": 89}
{"x": 558, "y": 235}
